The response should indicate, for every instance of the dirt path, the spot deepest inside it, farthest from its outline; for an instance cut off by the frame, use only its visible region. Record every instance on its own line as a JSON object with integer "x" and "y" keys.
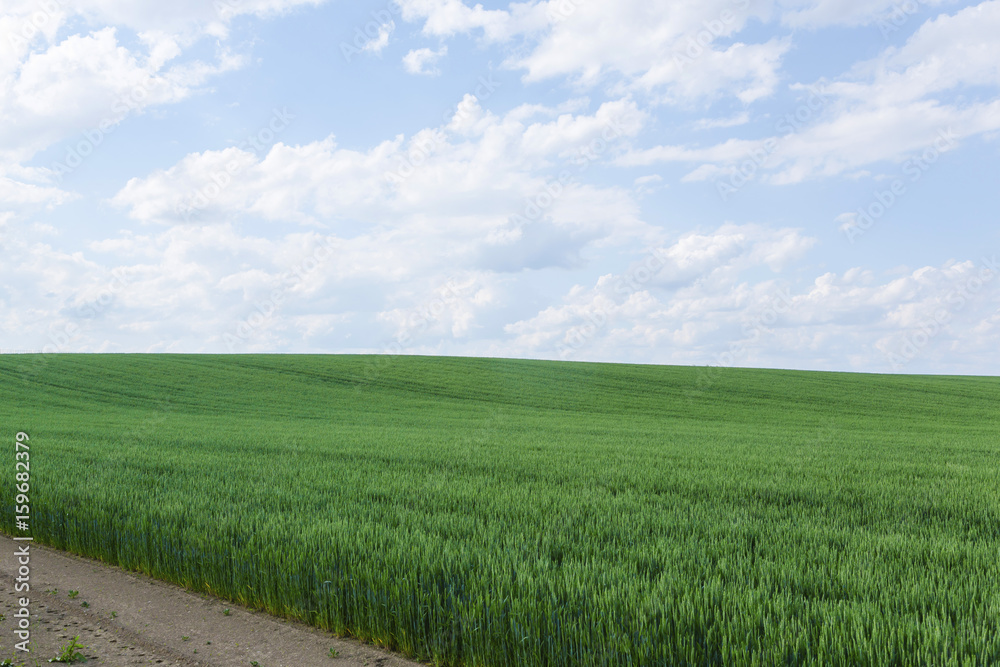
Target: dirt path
{"x": 130, "y": 619}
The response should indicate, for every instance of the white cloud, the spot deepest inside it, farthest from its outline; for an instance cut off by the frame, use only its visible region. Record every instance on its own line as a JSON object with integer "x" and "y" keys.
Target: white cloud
{"x": 181, "y": 16}
{"x": 672, "y": 307}
{"x": 698, "y": 272}
{"x": 644, "y": 185}
{"x": 713, "y": 123}
{"x": 747, "y": 71}
{"x": 65, "y": 74}
{"x": 458, "y": 204}
{"x": 445, "y": 18}
{"x": 683, "y": 51}
{"x": 698, "y": 300}
{"x": 469, "y": 198}
{"x": 476, "y": 167}
{"x": 379, "y": 42}
{"x": 946, "y": 52}
{"x": 890, "y": 108}
{"x": 418, "y": 61}
{"x": 30, "y": 25}
{"x": 821, "y": 13}
{"x": 478, "y": 201}
{"x": 17, "y": 194}
{"x": 105, "y": 82}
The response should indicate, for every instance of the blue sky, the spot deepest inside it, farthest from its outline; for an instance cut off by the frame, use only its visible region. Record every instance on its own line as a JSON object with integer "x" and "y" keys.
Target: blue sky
{"x": 779, "y": 183}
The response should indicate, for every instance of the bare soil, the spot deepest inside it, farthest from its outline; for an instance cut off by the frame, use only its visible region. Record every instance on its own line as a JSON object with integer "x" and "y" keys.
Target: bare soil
{"x": 128, "y": 619}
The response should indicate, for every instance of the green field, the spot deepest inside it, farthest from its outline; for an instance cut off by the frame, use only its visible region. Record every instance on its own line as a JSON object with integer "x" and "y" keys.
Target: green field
{"x": 502, "y": 512}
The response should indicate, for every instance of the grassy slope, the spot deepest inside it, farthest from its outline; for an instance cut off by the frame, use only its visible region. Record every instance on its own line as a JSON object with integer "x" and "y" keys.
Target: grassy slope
{"x": 523, "y": 512}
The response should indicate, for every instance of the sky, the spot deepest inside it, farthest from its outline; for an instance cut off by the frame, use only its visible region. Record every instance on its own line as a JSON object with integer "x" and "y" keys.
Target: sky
{"x": 807, "y": 184}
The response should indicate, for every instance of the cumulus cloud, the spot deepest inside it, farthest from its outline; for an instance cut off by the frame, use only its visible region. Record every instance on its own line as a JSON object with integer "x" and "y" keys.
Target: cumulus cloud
{"x": 420, "y": 61}
{"x": 472, "y": 202}
{"x": 479, "y": 197}
{"x": 66, "y": 73}
{"x": 105, "y": 81}
{"x": 187, "y": 18}
{"x": 821, "y": 13}
{"x": 683, "y": 51}
{"x": 496, "y": 233}
{"x": 473, "y": 174}
{"x": 671, "y": 286}
{"x": 691, "y": 303}
{"x": 444, "y": 18}
{"x": 381, "y": 40}
{"x": 890, "y": 108}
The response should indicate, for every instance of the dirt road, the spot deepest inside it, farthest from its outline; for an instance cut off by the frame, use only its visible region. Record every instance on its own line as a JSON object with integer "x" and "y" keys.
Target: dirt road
{"x": 125, "y": 619}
